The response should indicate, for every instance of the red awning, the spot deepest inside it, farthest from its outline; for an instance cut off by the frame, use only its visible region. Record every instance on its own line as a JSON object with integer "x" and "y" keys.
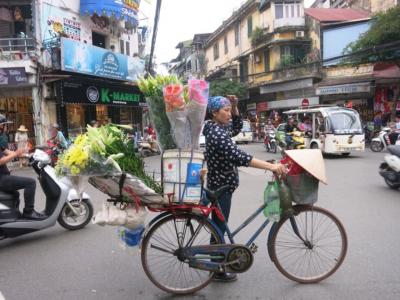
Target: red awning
{"x": 386, "y": 70}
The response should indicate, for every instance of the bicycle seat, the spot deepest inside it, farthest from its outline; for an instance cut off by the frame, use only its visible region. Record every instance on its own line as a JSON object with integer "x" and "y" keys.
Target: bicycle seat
{"x": 216, "y": 194}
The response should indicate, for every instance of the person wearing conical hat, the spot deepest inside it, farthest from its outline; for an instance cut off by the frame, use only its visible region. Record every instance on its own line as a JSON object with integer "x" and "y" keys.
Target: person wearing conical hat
{"x": 21, "y": 138}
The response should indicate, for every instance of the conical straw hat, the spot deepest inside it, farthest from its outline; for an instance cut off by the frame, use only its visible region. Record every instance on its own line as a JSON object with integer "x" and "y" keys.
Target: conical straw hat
{"x": 310, "y": 160}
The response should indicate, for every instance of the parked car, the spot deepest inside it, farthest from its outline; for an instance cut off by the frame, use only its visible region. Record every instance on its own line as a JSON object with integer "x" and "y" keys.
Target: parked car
{"x": 245, "y": 135}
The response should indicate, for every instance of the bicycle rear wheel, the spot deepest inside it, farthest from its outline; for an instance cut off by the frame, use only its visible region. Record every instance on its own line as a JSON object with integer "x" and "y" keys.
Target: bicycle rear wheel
{"x": 159, "y": 254}
{"x": 317, "y": 253}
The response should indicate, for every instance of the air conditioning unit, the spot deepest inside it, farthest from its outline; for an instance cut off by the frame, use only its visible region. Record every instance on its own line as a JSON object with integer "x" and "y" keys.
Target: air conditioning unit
{"x": 257, "y": 59}
{"x": 299, "y": 34}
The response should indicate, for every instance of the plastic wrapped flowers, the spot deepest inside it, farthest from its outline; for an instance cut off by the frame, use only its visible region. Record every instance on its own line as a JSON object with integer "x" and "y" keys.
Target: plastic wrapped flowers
{"x": 106, "y": 150}
{"x": 176, "y": 111}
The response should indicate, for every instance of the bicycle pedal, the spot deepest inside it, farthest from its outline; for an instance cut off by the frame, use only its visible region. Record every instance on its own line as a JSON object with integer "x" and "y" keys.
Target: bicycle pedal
{"x": 253, "y": 248}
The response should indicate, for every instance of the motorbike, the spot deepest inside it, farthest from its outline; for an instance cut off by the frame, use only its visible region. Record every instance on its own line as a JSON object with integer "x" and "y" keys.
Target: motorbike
{"x": 52, "y": 149}
{"x": 382, "y": 141}
{"x": 65, "y": 202}
{"x": 270, "y": 141}
{"x": 390, "y": 168}
{"x": 148, "y": 147}
{"x": 297, "y": 141}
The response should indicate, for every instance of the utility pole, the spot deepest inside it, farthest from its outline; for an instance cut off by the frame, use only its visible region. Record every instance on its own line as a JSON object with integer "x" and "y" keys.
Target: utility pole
{"x": 149, "y": 68}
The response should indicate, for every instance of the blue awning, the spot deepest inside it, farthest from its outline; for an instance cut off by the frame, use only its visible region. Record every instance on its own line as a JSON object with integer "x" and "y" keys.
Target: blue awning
{"x": 120, "y": 9}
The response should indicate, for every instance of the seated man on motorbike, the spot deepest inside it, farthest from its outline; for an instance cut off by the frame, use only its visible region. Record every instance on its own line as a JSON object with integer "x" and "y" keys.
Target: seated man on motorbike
{"x": 289, "y": 128}
{"x": 269, "y": 127}
{"x": 11, "y": 184}
{"x": 57, "y": 137}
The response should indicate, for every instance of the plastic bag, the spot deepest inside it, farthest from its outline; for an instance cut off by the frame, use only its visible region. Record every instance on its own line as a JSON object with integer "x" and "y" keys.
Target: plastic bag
{"x": 130, "y": 217}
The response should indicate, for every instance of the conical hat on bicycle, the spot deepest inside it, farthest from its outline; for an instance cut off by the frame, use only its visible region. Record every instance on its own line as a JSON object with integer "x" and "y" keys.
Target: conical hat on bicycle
{"x": 310, "y": 160}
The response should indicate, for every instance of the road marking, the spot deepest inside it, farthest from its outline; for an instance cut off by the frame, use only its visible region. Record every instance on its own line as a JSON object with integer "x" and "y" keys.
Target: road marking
{"x": 1, "y": 296}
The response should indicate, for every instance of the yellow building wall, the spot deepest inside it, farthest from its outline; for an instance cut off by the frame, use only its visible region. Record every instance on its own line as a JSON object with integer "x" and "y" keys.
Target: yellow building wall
{"x": 274, "y": 57}
{"x": 258, "y": 20}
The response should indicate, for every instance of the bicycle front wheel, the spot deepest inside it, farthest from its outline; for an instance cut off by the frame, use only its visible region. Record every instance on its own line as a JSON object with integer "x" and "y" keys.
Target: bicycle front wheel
{"x": 160, "y": 255}
{"x": 309, "y": 246}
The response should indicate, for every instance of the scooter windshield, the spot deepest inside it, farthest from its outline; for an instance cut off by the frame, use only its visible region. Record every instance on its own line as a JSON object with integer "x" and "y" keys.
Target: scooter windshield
{"x": 344, "y": 122}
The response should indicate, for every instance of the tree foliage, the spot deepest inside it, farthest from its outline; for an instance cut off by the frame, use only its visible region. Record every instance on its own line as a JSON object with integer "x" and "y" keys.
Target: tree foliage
{"x": 385, "y": 28}
{"x": 227, "y": 87}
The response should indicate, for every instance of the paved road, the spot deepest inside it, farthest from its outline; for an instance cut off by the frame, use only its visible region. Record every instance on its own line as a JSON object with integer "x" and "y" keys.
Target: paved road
{"x": 89, "y": 264}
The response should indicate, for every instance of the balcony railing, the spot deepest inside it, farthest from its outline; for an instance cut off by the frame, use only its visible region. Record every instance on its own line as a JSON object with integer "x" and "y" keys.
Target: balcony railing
{"x": 17, "y": 48}
{"x": 288, "y": 22}
{"x": 290, "y": 73}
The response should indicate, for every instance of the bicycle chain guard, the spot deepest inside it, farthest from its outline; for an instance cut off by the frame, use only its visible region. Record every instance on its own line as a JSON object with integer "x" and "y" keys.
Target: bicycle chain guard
{"x": 231, "y": 258}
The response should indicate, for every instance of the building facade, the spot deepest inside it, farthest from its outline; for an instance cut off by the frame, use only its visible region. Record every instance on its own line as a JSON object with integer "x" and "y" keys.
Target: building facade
{"x": 266, "y": 45}
{"x": 372, "y": 6}
{"x": 190, "y": 61}
{"x": 81, "y": 60}
{"x": 370, "y": 88}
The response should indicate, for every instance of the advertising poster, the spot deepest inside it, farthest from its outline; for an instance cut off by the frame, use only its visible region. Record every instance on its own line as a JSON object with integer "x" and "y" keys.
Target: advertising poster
{"x": 91, "y": 60}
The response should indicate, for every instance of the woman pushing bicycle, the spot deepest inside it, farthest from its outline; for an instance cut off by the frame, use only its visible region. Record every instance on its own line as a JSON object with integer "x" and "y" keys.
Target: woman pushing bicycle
{"x": 223, "y": 157}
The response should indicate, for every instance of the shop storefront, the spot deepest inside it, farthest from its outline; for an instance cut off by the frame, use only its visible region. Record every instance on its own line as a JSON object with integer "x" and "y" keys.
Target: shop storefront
{"x": 81, "y": 101}
{"x": 16, "y": 102}
{"x": 357, "y": 95}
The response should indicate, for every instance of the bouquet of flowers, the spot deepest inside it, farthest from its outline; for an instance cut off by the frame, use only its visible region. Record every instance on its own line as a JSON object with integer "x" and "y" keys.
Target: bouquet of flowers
{"x": 177, "y": 114}
{"x": 102, "y": 151}
{"x": 152, "y": 88}
{"x": 197, "y": 108}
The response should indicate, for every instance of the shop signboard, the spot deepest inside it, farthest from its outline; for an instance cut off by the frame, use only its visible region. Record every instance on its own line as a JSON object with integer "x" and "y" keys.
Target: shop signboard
{"x": 13, "y": 77}
{"x": 251, "y": 106}
{"x": 83, "y": 58}
{"x": 88, "y": 92}
{"x": 262, "y": 106}
{"x": 362, "y": 87}
{"x": 56, "y": 21}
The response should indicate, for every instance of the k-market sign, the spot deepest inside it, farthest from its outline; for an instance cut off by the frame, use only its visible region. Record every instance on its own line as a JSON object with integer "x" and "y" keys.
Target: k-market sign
{"x": 96, "y": 93}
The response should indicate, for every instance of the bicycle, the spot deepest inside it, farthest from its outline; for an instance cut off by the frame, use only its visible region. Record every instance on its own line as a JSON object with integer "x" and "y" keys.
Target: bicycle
{"x": 178, "y": 258}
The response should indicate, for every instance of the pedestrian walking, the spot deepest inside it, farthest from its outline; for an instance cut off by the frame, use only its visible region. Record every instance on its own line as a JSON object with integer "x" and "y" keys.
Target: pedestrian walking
{"x": 21, "y": 138}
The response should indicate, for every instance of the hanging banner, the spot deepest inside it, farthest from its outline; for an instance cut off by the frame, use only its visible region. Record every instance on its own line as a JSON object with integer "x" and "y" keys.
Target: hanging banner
{"x": 121, "y": 9}
{"x": 91, "y": 60}
{"x": 91, "y": 92}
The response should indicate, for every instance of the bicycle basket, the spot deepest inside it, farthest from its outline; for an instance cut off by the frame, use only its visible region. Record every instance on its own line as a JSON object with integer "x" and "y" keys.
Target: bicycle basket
{"x": 304, "y": 188}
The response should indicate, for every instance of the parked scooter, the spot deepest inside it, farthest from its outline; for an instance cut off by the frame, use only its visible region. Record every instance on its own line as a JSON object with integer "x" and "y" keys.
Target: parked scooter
{"x": 72, "y": 209}
{"x": 390, "y": 168}
{"x": 148, "y": 147}
{"x": 270, "y": 141}
{"x": 382, "y": 141}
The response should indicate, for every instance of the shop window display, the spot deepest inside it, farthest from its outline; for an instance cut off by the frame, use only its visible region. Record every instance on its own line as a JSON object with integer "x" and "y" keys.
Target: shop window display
{"x": 18, "y": 110}
{"x": 76, "y": 119}
{"x": 102, "y": 114}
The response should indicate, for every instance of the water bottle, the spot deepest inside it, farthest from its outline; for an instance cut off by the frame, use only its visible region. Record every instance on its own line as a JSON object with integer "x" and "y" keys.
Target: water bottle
{"x": 271, "y": 199}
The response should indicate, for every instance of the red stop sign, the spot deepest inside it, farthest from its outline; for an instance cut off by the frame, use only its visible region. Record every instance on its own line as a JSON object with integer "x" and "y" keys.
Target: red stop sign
{"x": 305, "y": 102}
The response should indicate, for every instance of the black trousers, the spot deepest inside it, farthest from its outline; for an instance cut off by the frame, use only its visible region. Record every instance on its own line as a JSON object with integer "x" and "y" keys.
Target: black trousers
{"x": 9, "y": 183}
